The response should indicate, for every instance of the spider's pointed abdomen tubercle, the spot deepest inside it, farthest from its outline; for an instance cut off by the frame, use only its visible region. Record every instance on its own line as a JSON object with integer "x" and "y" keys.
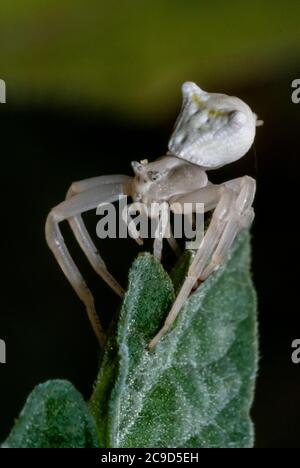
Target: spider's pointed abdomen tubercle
{"x": 212, "y": 129}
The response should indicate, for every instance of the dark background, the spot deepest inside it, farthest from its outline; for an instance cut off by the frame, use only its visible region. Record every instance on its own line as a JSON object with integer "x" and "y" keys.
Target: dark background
{"x": 44, "y": 147}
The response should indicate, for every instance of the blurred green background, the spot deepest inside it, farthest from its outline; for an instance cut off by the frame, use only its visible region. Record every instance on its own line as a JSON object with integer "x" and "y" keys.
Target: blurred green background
{"x": 130, "y": 56}
{"x": 92, "y": 85}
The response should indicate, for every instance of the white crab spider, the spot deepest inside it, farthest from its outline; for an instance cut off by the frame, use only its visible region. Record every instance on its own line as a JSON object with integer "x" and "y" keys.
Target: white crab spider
{"x": 212, "y": 130}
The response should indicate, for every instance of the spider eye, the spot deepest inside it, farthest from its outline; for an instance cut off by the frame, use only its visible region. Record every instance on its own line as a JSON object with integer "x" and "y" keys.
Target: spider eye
{"x": 153, "y": 175}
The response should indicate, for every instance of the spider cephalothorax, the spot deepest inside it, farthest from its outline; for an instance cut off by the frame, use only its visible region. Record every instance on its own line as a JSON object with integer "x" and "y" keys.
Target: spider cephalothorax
{"x": 165, "y": 178}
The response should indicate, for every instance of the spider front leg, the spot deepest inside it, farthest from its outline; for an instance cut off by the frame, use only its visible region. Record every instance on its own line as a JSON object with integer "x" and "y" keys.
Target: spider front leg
{"x": 233, "y": 212}
{"x": 81, "y": 234}
{"x": 74, "y": 206}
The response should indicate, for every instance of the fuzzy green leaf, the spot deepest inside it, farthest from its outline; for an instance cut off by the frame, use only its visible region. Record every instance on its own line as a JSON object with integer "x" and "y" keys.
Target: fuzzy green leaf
{"x": 54, "y": 416}
{"x": 196, "y": 389}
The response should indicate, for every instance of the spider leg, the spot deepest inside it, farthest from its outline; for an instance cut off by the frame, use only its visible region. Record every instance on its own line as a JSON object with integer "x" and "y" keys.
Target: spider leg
{"x": 81, "y": 234}
{"x": 162, "y": 230}
{"x": 241, "y": 217}
{"x": 233, "y": 212}
{"x": 132, "y": 230}
{"x": 173, "y": 244}
{"x": 74, "y": 206}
